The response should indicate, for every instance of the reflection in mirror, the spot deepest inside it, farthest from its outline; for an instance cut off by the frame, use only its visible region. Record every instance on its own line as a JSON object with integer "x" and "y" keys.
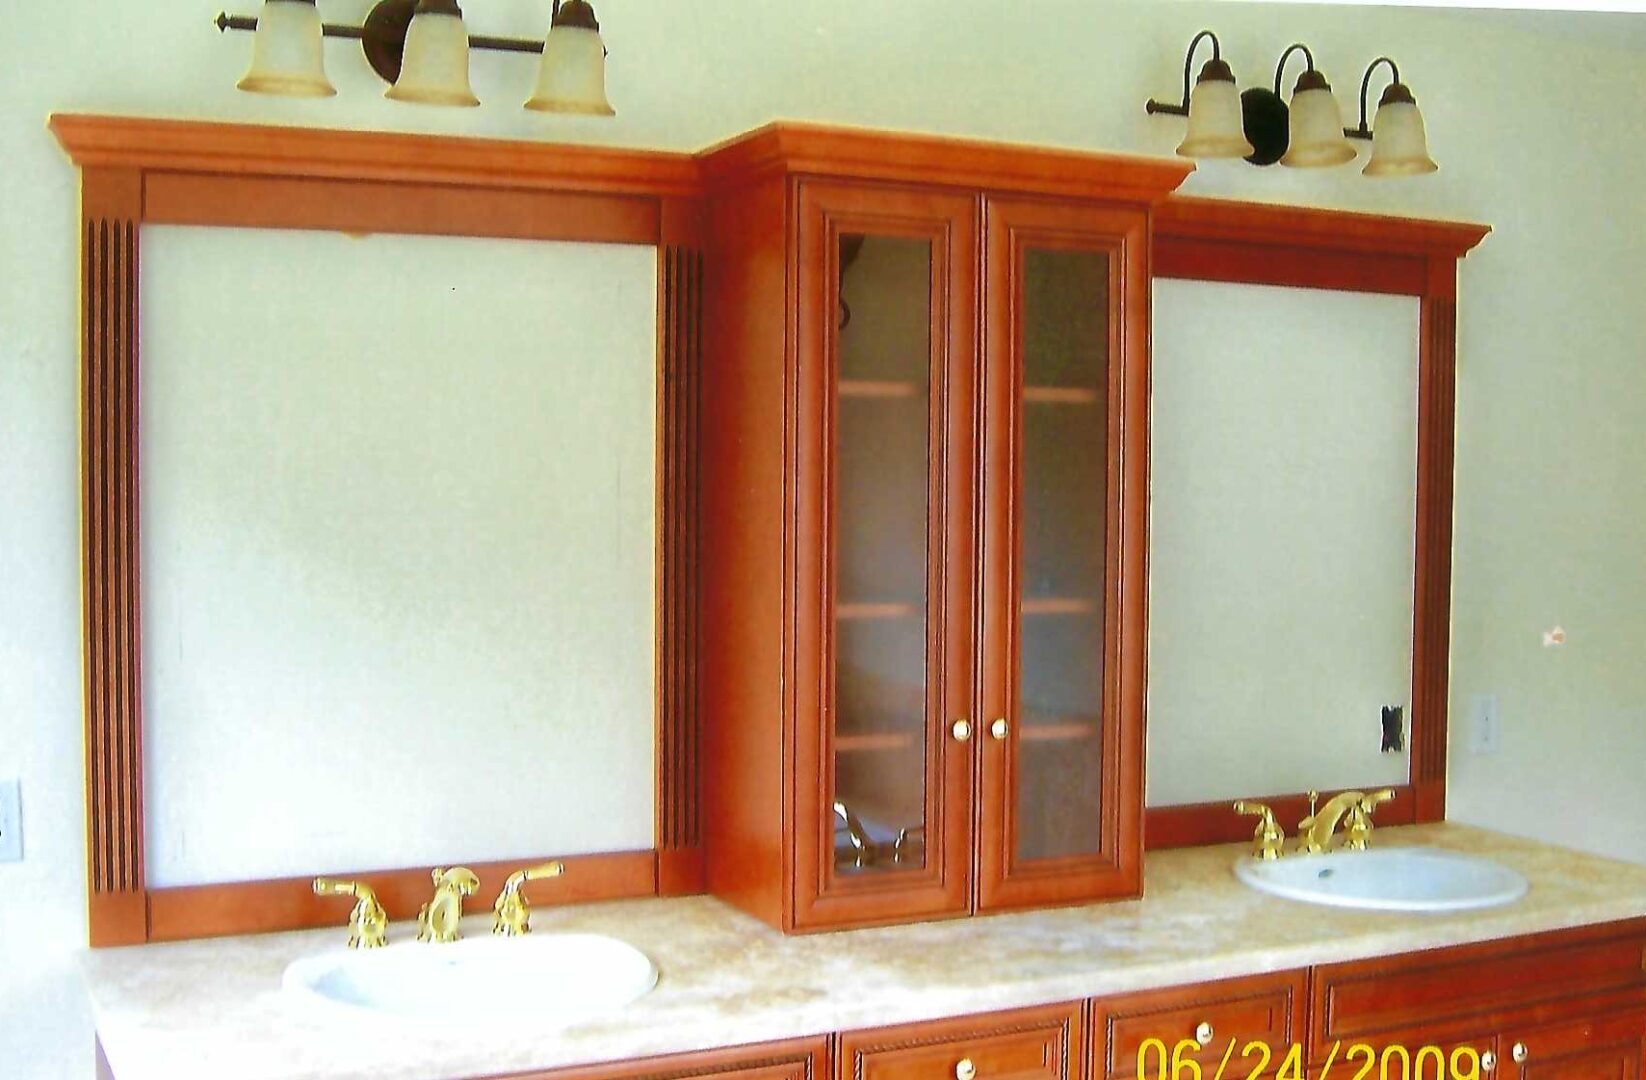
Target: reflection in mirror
{"x": 1284, "y": 464}
{"x": 398, "y": 557}
{"x": 883, "y": 410}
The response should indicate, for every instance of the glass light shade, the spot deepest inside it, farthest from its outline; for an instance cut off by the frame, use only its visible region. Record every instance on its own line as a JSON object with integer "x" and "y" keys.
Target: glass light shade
{"x": 434, "y": 69}
{"x": 286, "y": 55}
{"x": 1399, "y": 145}
{"x": 1317, "y": 138}
{"x": 572, "y": 76}
{"x": 1215, "y": 122}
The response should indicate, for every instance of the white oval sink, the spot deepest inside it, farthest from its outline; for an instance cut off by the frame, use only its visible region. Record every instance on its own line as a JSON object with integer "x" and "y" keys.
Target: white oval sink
{"x": 1387, "y": 879}
{"x": 552, "y": 979}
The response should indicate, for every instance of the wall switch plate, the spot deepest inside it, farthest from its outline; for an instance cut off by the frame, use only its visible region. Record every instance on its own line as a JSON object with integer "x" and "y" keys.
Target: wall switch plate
{"x": 11, "y": 822}
{"x": 1485, "y": 732}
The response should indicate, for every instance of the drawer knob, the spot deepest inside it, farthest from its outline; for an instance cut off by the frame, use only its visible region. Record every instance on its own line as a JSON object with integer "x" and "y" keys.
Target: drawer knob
{"x": 1203, "y": 1033}
{"x": 1520, "y": 1053}
{"x": 998, "y": 729}
{"x": 1488, "y": 1061}
{"x": 964, "y": 1069}
{"x": 962, "y": 731}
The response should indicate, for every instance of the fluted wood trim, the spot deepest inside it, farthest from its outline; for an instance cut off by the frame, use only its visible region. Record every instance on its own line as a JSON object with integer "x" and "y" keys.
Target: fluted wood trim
{"x": 680, "y": 292}
{"x": 110, "y": 207}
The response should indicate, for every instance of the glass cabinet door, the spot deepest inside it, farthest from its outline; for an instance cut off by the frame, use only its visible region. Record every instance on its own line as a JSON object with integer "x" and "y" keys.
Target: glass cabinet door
{"x": 884, "y": 553}
{"x": 1065, "y": 410}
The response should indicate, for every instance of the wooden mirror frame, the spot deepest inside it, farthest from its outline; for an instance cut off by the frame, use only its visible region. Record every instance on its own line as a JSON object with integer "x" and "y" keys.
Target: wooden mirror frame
{"x": 161, "y": 172}
{"x": 1259, "y": 244}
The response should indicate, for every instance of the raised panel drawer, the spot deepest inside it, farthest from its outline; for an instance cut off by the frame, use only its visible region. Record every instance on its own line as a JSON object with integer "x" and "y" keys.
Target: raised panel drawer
{"x": 1264, "y": 1009}
{"x": 1026, "y": 1044}
{"x": 795, "y": 1059}
{"x": 1606, "y": 1048}
{"x": 1471, "y": 988}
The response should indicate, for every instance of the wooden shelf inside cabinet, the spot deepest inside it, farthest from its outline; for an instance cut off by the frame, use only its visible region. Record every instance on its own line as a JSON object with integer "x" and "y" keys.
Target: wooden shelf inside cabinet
{"x": 1061, "y": 395}
{"x": 858, "y": 744}
{"x": 852, "y": 612}
{"x": 879, "y": 388}
{"x": 1056, "y": 732}
{"x": 1058, "y": 605}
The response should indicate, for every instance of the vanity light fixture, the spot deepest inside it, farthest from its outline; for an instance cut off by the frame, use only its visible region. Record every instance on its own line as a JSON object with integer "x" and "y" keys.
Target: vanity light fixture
{"x": 421, "y": 49}
{"x": 1213, "y": 107}
{"x": 1400, "y": 147}
{"x": 1309, "y": 133}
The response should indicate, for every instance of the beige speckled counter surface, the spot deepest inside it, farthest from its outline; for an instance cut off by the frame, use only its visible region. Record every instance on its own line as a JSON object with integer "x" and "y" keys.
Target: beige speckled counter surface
{"x": 215, "y": 1008}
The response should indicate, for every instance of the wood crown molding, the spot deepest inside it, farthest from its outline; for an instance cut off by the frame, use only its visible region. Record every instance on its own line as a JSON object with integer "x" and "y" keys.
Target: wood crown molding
{"x": 192, "y": 146}
{"x": 214, "y": 148}
{"x": 869, "y": 154}
{"x": 1183, "y": 217}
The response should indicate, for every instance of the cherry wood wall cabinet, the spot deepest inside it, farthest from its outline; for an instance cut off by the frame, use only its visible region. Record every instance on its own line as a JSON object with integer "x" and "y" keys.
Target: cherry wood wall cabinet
{"x": 924, "y": 497}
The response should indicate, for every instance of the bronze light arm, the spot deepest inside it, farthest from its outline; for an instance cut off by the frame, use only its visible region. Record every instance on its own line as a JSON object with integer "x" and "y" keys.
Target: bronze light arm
{"x": 1395, "y": 91}
{"x": 1153, "y": 106}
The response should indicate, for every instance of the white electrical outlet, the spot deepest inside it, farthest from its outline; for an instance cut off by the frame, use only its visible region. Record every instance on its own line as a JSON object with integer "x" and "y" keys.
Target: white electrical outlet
{"x": 11, "y": 822}
{"x": 1485, "y": 732}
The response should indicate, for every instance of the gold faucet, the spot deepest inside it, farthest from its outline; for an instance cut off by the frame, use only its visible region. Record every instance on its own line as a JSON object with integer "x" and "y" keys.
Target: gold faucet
{"x": 368, "y": 922}
{"x": 438, "y": 919}
{"x": 1314, "y": 833}
{"x": 513, "y": 913}
{"x": 1269, "y": 839}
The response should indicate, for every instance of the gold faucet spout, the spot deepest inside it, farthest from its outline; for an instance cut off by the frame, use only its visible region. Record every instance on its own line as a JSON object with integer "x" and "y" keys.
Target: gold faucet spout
{"x": 438, "y": 920}
{"x": 1315, "y": 832}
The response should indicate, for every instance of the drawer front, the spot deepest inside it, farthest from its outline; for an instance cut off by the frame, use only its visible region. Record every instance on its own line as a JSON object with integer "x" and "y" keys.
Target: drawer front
{"x": 1608, "y": 1048}
{"x": 1265, "y": 1009}
{"x": 1542, "y": 979}
{"x": 1027, "y": 1044}
{"x": 795, "y": 1059}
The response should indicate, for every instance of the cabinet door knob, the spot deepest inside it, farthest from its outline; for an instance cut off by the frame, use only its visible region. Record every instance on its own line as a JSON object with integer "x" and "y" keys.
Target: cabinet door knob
{"x": 999, "y": 728}
{"x": 964, "y": 1069}
{"x": 1520, "y": 1053}
{"x": 1203, "y": 1033}
{"x": 1488, "y": 1061}
{"x": 962, "y": 731}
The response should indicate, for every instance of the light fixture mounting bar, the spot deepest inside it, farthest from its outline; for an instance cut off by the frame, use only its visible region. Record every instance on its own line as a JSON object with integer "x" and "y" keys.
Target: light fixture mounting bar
{"x": 226, "y": 21}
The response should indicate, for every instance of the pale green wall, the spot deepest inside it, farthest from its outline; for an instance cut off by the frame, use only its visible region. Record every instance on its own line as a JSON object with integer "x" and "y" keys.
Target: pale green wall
{"x": 1523, "y": 116}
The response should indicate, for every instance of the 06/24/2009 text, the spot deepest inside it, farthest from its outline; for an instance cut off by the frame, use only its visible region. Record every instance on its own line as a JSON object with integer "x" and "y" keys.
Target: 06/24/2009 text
{"x": 1259, "y": 1061}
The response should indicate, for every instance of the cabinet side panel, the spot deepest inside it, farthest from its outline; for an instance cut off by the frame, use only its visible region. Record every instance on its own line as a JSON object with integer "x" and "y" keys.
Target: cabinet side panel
{"x": 744, "y": 495}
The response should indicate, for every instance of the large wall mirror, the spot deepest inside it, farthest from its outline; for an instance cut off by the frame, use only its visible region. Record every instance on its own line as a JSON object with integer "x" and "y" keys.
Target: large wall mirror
{"x": 1303, "y": 374}
{"x": 398, "y": 528}
{"x": 388, "y": 519}
{"x": 1283, "y": 517}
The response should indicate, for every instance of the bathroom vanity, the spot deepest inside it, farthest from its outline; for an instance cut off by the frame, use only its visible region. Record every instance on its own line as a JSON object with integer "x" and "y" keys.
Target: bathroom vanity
{"x": 1067, "y": 993}
{"x": 902, "y": 393}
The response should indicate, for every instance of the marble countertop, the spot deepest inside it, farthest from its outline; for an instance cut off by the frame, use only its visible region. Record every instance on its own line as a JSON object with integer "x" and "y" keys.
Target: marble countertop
{"x": 215, "y": 1007}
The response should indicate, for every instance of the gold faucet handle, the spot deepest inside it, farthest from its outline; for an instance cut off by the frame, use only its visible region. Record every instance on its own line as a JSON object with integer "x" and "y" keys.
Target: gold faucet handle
{"x": 513, "y": 913}
{"x": 1358, "y": 830}
{"x": 1268, "y": 839}
{"x": 368, "y": 922}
